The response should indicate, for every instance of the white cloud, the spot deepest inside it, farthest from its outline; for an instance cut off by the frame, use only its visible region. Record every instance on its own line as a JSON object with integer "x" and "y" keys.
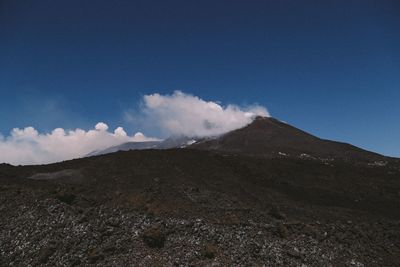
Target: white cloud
{"x": 175, "y": 114}
{"x": 186, "y": 114}
{"x": 28, "y": 146}
{"x": 101, "y": 126}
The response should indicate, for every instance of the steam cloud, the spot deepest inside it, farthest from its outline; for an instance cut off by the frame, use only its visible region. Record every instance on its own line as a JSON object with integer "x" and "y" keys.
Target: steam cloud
{"x": 184, "y": 114}
{"x": 175, "y": 114}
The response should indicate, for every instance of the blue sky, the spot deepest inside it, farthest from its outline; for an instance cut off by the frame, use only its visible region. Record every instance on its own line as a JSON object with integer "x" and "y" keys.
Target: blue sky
{"x": 329, "y": 67}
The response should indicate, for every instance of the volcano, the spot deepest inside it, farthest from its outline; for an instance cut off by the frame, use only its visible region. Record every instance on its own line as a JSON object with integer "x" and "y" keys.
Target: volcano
{"x": 266, "y": 137}
{"x": 270, "y": 137}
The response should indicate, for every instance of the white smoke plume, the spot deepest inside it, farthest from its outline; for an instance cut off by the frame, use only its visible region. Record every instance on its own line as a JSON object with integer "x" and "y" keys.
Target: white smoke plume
{"x": 185, "y": 114}
{"x": 27, "y": 146}
{"x": 175, "y": 114}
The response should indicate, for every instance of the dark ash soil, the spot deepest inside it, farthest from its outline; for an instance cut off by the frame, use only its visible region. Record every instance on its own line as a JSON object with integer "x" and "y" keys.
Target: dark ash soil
{"x": 186, "y": 207}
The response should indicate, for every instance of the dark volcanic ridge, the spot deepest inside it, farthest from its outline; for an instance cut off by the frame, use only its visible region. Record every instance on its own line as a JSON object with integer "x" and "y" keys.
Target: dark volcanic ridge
{"x": 270, "y": 137}
{"x": 223, "y": 202}
{"x": 266, "y": 137}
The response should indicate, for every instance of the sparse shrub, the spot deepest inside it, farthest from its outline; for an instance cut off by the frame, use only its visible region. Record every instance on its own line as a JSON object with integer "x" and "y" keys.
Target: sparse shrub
{"x": 154, "y": 237}
{"x": 45, "y": 253}
{"x": 282, "y": 231}
{"x": 210, "y": 251}
{"x": 94, "y": 256}
{"x": 276, "y": 213}
{"x": 67, "y": 198}
{"x": 229, "y": 218}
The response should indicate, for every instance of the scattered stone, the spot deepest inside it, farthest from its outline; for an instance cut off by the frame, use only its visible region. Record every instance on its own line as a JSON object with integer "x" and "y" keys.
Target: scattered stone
{"x": 109, "y": 248}
{"x": 294, "y": 253}
{"x": 113, "y": 222}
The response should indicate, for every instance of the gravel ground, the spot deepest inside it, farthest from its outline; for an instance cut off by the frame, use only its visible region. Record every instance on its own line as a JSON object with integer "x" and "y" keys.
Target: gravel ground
{"x": 40, "y": 230}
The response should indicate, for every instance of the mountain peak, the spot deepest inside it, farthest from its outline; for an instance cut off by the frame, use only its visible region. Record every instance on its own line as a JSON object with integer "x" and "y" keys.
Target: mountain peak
{"x": 263, "y": 122}
{"x": 270, "y": 137}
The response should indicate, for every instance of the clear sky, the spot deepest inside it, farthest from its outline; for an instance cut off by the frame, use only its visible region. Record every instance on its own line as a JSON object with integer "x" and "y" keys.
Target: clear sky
{"x": 328, "y": 67}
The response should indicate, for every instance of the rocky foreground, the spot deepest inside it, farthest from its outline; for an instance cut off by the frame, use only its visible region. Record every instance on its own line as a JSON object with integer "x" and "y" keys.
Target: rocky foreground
{"x": 59, "y": 230}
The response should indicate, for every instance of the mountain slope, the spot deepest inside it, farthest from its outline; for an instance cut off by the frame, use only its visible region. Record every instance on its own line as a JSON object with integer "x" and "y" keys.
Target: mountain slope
{"x": 171, "y": 142}
{"x": 125, "y": 147}
{"x": 270, "y": 137}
